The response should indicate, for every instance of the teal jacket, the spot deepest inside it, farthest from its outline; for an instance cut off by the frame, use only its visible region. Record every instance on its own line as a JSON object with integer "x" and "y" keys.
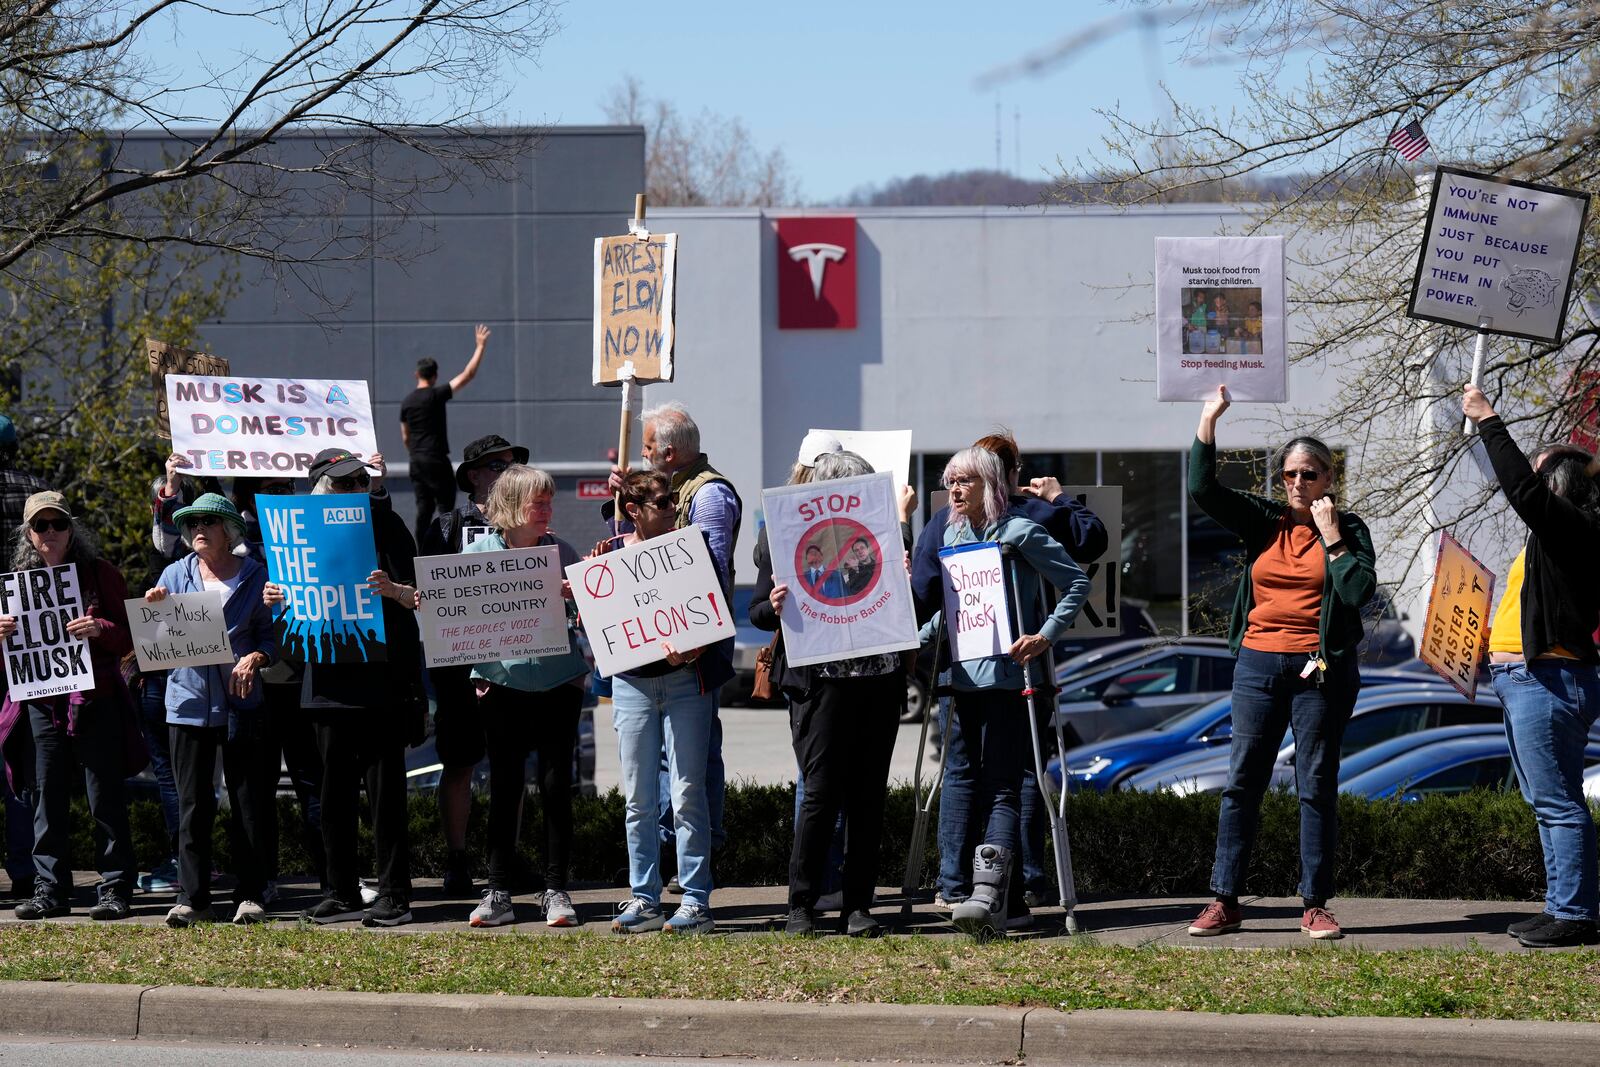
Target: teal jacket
{"x": 535, "y": 674}
{"x": 1348, "y": 581}
{"x": 1048, "y": 560}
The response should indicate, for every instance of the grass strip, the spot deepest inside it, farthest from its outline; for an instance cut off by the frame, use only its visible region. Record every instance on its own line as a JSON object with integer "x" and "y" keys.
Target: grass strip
{"x": 1314, "y": 980}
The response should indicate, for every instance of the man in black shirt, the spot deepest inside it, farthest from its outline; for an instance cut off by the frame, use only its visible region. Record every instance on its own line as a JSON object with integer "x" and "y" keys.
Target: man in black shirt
{"x": 422, "y": 428}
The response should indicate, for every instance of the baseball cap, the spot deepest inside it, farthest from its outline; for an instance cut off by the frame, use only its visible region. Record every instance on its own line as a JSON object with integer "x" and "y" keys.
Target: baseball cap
{"x": 335, "y": 463}
{"x": 45, "y": 501}
{"x": 817, "y": 443}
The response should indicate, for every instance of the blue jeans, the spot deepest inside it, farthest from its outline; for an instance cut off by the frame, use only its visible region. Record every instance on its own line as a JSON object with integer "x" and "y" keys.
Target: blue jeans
{"x": 955, "y": 835}
{"x": 994, "y": 728}
{"x": 716, "y": 780}
{"x": 1550, "y": 706}
{"x": 647, "y": 713}
{"x": 153, "y": 725}
{"x": 1269, "y": 696}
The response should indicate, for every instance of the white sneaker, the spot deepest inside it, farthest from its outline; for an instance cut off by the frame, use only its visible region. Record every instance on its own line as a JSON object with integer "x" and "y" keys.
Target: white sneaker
{"x": 493, "y": 910}
{"x": 248, "y": 912}
{"x": 690, "y": 919}
{"x": 369, "y": 893}
{"x": 637, "y": 916}
{"x": 558, "y": 909}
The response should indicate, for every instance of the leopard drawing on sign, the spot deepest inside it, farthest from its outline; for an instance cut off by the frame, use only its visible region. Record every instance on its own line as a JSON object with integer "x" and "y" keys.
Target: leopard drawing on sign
{"x": 1530, "y": 288}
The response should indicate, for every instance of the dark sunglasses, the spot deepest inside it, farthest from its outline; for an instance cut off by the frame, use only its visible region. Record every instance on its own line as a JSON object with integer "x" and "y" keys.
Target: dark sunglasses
{"x": 359, "y": 480}
{"x": 663, "y": 503}
{"x": 200, "y": 522}
{"x": 498, "y": 466}
{"x": 1304, "y": 476}
{"x": 39, "y": 526}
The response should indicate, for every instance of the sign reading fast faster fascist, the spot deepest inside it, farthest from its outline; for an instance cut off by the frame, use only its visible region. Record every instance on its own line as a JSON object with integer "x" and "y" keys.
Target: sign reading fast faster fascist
{"x": 262, "y": 426}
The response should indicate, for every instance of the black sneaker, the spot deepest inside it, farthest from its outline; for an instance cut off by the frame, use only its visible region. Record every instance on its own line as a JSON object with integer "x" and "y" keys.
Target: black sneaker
{"x": 332, "y": 910}
{"x": 801, "y": 922}
{"x": 1561, "y": 933}
{"x": 1528, "y": 925}
{"x": 109, "y": 908}
{"x": 42, "y": 907}
{"x": 388, "y": 911}
{"x": 860, "y": 923}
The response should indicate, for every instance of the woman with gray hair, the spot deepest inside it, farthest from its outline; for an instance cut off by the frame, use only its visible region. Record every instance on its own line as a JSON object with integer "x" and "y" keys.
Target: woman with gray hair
{"x": 989, "y": 702}
{"x": 216, "y": 707}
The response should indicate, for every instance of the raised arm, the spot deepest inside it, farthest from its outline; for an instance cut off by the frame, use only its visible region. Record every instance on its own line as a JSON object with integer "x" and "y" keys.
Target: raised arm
{"x": 1553, "y": 519}
{"x": 1242, "y": 513}
{"x": 470, "y": 371}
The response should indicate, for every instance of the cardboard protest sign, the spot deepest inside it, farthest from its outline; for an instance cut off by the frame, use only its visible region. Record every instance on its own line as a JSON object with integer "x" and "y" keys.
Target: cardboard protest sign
{"x": 1459, "y": 609}
{"x": 1100, "y": 616}
{"x": 977, "y": 612}
{"x": 665, "y": 589}
{"x": 320, "y": 549}
{"x": 483, "y": 606}
{"x": 1500, "y": 250}
{"x": 1220, "y": 318}
{"x": 633, "y": 307}
{"x": 42, "y": 658}
{"x": 168, "y": 359}
{"x": 183, "y": 630}
{"x": 837, "y": 545}
{"x": 261, "y": 426}
{"x": 886, "y": 450}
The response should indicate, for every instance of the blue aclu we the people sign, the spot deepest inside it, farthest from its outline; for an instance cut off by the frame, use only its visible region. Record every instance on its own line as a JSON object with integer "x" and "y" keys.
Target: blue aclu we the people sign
{"x": 320, "y": 549}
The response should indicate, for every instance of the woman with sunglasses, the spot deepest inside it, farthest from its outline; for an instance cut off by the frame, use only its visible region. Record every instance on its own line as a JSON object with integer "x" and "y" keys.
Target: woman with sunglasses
{"x": 216, "y": 708}
{"x": 671, "y": 702}
{"x": 86, "y": 729}
{"x": 1295, "y": 630}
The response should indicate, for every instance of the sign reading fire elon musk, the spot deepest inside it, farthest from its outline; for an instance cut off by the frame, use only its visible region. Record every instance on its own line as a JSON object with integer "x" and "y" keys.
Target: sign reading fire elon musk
{"x": 817, "y": 273}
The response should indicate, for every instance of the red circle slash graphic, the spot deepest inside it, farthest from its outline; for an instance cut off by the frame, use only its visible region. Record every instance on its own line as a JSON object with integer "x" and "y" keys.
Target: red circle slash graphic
{"x": 599, "y": 581}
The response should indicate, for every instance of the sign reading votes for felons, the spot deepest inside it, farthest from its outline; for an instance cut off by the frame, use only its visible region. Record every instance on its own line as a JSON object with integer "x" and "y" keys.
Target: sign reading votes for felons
{"x": 262, "y": 426}
{"x": 42, "y": 658}
{"x": 183, "y": 630}
{"x": 1499, "y": 250}
{"x": 1454, "y": 635}
{"x": 641, "y": 596}
{"x": 1220, "y": 318}
{"x": 482, "y": 606}
{"x": 633, "y": 307}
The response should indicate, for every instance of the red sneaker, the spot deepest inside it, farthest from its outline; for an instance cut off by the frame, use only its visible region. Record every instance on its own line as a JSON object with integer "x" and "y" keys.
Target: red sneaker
{"x": 1320, "y": 924}
{"x": 1218, "y": 918}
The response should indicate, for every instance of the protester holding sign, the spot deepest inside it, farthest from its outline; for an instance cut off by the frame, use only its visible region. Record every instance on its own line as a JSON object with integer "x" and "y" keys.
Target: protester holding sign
{"x": 87, "y": 728}
{"x": 1543, "y": 663}
{"x": 216, "y": 707}
{"x": 989, "y": 704}
{"x": 1296, "y": 627}
{"x": 528, "y": 704}
{"x": 365, "y": 712}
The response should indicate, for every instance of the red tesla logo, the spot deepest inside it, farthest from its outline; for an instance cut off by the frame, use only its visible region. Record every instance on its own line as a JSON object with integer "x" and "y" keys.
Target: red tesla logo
{"x": 817, "y": 273}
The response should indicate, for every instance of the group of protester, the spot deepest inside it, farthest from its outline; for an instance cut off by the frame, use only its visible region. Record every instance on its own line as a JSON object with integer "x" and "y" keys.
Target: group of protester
{"x": 342, "y": 727}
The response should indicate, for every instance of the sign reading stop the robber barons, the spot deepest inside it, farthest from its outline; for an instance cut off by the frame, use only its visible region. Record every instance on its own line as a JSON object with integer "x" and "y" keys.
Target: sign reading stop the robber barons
{"x": 1498, "y": 250}
{"x": 977, "y": 613}
{"x": 320, "y": 549}
{"x": 42, "y": 658}
{"x": 1459, "y": 609}
{"x": 1101, "y": 615}
{"x": 634, "y": 599}
{"x": 633, "y": 307}
{"x": 481, "y": 606}
{"x": 837, "y": 546}
{"x": 181, "y": 630}
{"x": 265, "y": 426}
{"x": 168, "y": 359}
{"x": 1220, "y": 318}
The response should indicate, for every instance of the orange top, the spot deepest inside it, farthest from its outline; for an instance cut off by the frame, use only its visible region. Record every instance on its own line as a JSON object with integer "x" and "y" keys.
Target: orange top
{"x": 1287, "y": 581}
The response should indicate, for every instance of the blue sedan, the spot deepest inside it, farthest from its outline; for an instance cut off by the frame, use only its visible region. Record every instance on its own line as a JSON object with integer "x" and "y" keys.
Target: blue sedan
{"x": 1444, "y": 768}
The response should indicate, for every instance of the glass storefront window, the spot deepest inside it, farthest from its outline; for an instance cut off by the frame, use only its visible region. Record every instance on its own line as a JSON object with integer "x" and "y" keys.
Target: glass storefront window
{"x": 1152, "y": 543}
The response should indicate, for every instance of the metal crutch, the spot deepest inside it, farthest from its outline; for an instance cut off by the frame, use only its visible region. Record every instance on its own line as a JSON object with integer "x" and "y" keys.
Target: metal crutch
{"x": 1055, "y": 800}
{"x": 912, "y": 881}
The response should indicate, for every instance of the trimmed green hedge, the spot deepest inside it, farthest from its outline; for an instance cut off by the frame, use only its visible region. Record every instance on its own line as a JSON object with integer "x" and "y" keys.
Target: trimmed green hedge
{"x": 1480, "y": 846}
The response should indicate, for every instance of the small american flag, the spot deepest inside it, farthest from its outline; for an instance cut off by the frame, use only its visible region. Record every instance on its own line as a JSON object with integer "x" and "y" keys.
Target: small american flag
{"x": 1409, "y": 140}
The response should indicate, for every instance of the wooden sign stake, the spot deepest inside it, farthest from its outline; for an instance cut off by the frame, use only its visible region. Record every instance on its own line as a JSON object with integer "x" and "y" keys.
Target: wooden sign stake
{"x": 632, "y": 392}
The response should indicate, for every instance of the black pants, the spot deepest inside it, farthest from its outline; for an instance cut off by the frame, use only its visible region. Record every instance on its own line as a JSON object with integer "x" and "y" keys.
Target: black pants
{"x": 96, "y": 747}
{"x": 518, "y": 723}
{"x": 250, "y": 802}
{"x": 292, "y": 746}
{"x": 843, "y": 733}
{"x": 363, "y": 745}
{"x": 434, "y": 483}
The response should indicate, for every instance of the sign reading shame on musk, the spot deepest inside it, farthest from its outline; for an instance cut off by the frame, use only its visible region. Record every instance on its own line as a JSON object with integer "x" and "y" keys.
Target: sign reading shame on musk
{"x": 42, "y": 658}
{"x": 320, "y": 549}
{"x": 664, "y": 590}
{"x": 262, "y": 426}
{"x": 482, "y": 606}
{"x": 633, "y": 307}
{"x": 977, "y": 613}
{"x": 1499, "y": 250}
{"x": 182, "y": 630}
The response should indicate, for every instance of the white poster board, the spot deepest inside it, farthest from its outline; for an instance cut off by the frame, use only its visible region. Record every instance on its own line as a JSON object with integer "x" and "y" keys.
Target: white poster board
{"x": 266, "y": 426}
{"x": 977, "y": 614}
{"x": 1500, "y": 250}
{"x": 183, "y": 630}
{"x": 638, "y": 596}
{"x": 42, "y": 659}
{"x": 1101, "y": 614}
{"x": 837, "y": 546}
{"x": 886, "y": 450}
{"x": 1220, "y": 318}
{"x": 484, "y": 606}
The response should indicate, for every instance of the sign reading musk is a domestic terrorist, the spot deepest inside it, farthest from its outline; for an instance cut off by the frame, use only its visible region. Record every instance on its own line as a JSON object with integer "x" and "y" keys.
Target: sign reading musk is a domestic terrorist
{"x": 42, "y": 658}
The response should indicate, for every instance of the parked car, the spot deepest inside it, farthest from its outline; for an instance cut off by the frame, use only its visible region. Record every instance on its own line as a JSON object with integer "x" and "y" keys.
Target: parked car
{"x": 1386, "y": 641}
{"x": 1445, "y": 768}
{"x": 1135, "y": 692}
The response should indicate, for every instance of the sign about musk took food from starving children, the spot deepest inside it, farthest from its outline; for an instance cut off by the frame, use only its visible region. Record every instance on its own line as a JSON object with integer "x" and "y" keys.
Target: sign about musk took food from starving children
{"x": 180, "y": 630}
{"x": 265, "y": 426}
{"x": 1220, "y": 318}
{"x": 641, "y": 596}
{"x": 977, "y": 614}
{"x": 42, "y": 658}
{"x": 480, "y": 606}
{"x": 633, "y": 307}
{"x": 836, "y": 544}
{"x": 320, "y": 549}
{"x": 1498, "y": 250}
{"x": 1459, "y": 609}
